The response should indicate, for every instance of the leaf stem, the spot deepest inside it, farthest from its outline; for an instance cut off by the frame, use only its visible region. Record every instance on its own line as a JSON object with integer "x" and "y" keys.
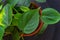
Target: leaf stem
{"x": 15, "y": 10}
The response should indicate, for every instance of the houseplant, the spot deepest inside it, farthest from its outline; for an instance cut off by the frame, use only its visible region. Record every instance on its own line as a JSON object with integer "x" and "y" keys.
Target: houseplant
{"x": 24, "y": 18}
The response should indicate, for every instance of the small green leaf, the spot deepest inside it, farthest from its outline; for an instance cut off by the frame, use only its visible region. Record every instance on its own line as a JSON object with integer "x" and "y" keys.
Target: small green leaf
{"x": 25, "y": 9}
{"x": 50, "y": 16}
{"x": 1, "y": 33}
{"x": 42, "y": 1}
{"x": 29, "y": 21}
{"x": 43, "y": 28}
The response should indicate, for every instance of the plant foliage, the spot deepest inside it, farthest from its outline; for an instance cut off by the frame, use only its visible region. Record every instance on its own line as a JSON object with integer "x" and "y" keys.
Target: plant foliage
{"x": 17, "y": 18}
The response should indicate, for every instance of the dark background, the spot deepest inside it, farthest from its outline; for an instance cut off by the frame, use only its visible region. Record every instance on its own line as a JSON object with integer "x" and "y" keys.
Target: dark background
{"x": 53, "y": 31}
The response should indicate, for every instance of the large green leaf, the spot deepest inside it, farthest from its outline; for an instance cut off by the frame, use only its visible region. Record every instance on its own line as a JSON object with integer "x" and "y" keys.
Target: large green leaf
{"x": 6, "y": 16}
{"x": 24, "y": 2}
{"x": 13, "y": 2}
{"x": 42, "y": 1}
{"x": 50, "y": 16}
{"x": 29, "y": 21}
{"x": 1, "y": 33}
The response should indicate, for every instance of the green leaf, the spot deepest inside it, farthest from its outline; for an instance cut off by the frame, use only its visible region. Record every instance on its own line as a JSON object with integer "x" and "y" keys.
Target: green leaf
{"x": 24, "y": 9}
{"x": 16, "y": 35}
{"x": 12, "y": 2}
{"x": 42, "y": 1}
{"x": 1, "y": 7}
{"x": 29, "y": 21}
{"x": 16, "y": 18}
{"x": 0, "y": 0}
{"x": 17, "y": 15}
{"x": 1, "y": 33}
{"x": 14, "y": 22}
{"x": 43, "y": 28}
{"x": 6, "y": 16}
{"x": 50, "y": 16}
{"x": 24, "y": 3}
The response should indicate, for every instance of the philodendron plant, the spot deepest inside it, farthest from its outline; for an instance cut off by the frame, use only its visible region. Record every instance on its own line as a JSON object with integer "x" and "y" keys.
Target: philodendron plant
{"x": 19, "y": 18}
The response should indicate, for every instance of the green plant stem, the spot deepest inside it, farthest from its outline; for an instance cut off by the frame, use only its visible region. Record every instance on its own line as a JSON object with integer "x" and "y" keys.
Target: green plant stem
{"x": 15, "y": 10}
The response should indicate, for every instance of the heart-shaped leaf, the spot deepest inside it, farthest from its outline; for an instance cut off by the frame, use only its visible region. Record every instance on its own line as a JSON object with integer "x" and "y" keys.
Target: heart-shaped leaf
{"x": 42, "y": 1}
{"x": 29, "y": 21}
{"x": 50, "y": 16}
{"x": 6, "y": 16}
